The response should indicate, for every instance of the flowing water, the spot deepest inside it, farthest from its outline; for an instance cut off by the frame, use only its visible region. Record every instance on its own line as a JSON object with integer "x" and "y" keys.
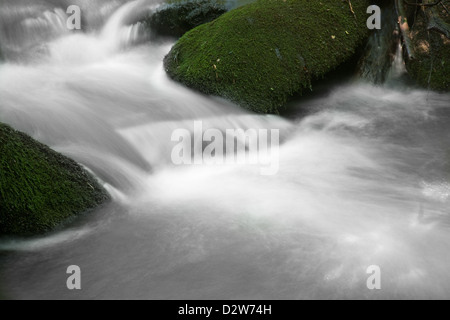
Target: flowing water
{"x": 364, "y": 175}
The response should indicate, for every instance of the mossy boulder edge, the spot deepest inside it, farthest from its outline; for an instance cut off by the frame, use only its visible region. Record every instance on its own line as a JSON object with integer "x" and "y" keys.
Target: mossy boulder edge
{"x": 260, "y": 54}
{"x": 175, "y": 19}
{"x": 40, "y": 188}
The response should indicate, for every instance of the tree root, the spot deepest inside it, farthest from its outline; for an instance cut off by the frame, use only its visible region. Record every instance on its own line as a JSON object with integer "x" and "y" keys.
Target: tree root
{"x": 423, "y": 4}
{"x": 443, "y": 5}
{"x": 351, "y": 9}
{"x": 435, "y": 22}
{"x": 404, "y": 28}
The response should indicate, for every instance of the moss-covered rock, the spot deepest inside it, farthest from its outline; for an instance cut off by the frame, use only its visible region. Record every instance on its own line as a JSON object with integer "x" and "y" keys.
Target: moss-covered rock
{"x": 229, "y": 4}
{"x": 176, "y": 19}
{"x": 39, "y": 188}
{"x": 431, "y": 64}
{"x": 260, "y": 54}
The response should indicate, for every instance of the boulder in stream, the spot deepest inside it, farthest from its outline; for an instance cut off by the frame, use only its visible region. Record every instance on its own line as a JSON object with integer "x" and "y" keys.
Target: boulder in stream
{"x": 40, "y": 188}
{"x": 260, "y": 54}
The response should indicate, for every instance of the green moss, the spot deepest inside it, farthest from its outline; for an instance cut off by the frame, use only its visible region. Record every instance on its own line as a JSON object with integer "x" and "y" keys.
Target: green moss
{"x": 39, "y": 188}
{"x": 260, "y": 54}
{"x": 230, "y": 4}
{"x": 431, "y": 66}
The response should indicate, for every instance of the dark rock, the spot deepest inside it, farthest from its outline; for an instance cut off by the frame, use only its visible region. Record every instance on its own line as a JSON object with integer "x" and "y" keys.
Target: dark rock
{"x": 178, "y": 18}
{"x": 431, "y": 65}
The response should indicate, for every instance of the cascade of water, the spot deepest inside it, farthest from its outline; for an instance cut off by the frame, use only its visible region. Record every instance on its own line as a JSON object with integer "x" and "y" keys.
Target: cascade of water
{"x": 363, "y": 181}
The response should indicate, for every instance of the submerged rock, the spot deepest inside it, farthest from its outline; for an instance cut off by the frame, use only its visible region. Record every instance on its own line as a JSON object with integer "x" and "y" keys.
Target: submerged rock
{"x": 178, "y": 18}
{"x": 40, "y": 188}
{"x": 431, "y": 64}
{"x": 260, "y": 54}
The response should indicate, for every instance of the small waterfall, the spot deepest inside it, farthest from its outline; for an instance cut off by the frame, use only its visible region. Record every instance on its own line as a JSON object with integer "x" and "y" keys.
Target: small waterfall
{"x": 124, "y": 28}
{"x": 31, "y": 33}
{"x": 398, "y": 68}
{"x": 381, "y": 49}
{"x": 50, "y": 21}
{"x": 23, "y": 34}
{"x": 363, "y": 174}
